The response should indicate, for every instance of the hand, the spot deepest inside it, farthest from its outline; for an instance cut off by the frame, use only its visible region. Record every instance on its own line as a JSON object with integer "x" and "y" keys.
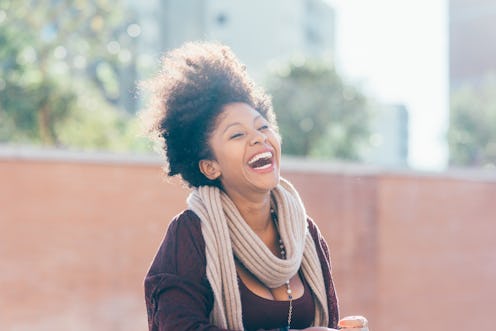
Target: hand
{"x": 357, "y": 322}
{"x": 318, "y": 328}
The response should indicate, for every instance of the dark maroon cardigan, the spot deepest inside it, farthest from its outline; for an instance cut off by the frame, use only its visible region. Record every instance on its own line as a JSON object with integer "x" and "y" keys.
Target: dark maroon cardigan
{"x": 177, "y": 292}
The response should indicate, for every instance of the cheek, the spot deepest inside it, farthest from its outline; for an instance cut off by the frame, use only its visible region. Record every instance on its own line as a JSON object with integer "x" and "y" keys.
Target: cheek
{"x": 228, "y": 156}
{"x": 275, "y": 140}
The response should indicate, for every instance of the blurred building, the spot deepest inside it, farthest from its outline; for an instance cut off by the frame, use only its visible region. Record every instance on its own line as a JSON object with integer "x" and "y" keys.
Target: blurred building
{"x": 472, "y": 38}
{"x": 389, "y": 137}
{"x": 258, "y": 31}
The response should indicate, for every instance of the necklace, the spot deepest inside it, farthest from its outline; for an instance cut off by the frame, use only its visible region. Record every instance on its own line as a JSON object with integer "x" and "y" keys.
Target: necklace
{"x": 283, "y": 255}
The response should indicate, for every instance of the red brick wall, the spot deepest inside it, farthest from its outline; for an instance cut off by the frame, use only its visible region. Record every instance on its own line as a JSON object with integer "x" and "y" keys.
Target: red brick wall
{"x": 409, "y": 251}
{"x": 437, "y": 265}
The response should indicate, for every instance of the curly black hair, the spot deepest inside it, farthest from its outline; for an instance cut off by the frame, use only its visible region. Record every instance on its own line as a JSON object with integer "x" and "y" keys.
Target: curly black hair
{"x": 188, "y": 94}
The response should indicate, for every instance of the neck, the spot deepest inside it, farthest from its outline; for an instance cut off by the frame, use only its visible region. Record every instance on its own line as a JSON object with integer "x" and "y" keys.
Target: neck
{"x": 254, "y": 210}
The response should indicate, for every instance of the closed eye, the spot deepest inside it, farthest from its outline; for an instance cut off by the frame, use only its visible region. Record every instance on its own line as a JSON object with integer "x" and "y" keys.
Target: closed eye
{"x": 236, "y": 135}
{"x": 263, "y": 127}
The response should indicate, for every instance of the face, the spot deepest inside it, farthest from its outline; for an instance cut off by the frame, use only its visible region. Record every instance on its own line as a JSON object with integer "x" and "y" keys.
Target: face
{"x": 246, "y": 149}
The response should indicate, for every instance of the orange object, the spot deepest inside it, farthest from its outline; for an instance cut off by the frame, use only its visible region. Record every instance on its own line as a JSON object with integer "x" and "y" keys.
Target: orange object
{"x": 354, "y": 323}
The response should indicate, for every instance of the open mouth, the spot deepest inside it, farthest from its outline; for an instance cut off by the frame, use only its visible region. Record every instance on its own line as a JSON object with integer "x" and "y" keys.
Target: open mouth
{"x": 261, "y": 161}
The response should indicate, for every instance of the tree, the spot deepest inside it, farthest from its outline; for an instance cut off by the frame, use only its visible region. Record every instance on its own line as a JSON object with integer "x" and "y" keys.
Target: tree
{"x": 318, "y": 113}
{"x": 472, "y": 129}
{"x": 52, "y": 52}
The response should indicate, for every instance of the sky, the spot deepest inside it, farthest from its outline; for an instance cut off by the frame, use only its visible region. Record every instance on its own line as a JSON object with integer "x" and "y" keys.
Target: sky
{"x": 397, "y": 50}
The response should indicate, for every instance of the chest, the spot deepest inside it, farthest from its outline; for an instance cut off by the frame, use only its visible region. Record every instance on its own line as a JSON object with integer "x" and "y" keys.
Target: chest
{"x": 268, "y": 313}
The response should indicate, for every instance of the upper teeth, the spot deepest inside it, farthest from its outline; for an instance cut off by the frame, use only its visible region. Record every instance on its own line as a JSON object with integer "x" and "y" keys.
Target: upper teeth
{"x": 257, "y": 157}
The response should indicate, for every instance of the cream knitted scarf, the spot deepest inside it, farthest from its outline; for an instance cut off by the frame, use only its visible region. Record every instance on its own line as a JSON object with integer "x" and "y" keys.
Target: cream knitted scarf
{"x": 226, "y": 233}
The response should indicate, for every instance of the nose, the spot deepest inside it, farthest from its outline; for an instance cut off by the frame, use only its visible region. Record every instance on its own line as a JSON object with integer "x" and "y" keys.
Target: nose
{"x": 258, "y": 137}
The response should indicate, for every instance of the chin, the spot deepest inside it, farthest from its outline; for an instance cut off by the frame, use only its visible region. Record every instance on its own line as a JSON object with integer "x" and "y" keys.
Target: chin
{"x": 265, "y": 185}
{"x": 265, "y": 180}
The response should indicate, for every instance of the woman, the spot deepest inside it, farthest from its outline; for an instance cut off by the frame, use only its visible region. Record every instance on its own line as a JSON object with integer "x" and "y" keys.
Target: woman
{"x": 244, "y": 255}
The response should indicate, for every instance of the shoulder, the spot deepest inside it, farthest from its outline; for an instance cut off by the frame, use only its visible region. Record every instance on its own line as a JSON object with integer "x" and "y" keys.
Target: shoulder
{"x": 313, "y": 228}
{"x": 186, "y": 223}
{"x": 320, "y": 242}
{"x": 185, "y": 228}
{"x": 183, "y": 243}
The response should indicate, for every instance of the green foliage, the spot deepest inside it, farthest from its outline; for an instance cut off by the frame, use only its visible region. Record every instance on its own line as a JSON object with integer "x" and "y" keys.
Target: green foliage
{"x": 29, "y": 112}
{"x": 54, "y": 55}
{"x": 94, "y": 124}
{"x": 319, "y": 115}
{"x": 472, "y": 131}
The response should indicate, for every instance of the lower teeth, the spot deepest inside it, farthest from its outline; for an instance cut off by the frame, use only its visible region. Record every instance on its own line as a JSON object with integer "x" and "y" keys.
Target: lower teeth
{"x": 263, "y": 167}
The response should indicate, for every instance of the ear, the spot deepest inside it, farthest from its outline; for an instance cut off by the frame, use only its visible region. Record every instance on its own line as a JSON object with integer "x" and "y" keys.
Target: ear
{"x": 210, "y": 169}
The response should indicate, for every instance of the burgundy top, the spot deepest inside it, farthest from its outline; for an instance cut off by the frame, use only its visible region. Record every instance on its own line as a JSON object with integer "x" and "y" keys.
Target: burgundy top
{"x": 271, "y": 314}
{"x": 178, "y": 294}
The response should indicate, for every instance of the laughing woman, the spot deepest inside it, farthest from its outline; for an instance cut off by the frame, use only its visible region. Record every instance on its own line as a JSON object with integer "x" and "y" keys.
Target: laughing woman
{"x": 244, "y": 255}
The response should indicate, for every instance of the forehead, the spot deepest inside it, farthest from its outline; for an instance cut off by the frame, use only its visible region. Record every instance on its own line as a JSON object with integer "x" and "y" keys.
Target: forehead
{"x": 237, "y": 112}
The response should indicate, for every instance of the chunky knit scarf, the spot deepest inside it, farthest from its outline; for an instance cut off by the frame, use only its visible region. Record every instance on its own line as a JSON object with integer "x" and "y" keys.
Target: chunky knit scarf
{"x": 226, "y": 233}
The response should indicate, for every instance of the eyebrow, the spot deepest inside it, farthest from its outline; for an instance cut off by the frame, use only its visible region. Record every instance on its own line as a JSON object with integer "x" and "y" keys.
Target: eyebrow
{"x": 230, "y": 125}
{"x": 239, "y": 123}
